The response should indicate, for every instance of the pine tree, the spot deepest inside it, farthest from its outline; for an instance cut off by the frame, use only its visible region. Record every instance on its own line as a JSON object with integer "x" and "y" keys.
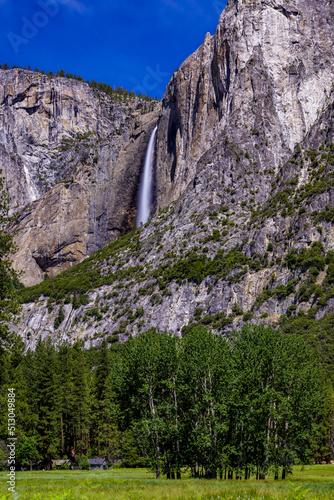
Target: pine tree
{"x": 104, "y": 434}
{"x": 64, "y": 374}
{"x": 79, "y": 402}
{"x": 46, "y": 401}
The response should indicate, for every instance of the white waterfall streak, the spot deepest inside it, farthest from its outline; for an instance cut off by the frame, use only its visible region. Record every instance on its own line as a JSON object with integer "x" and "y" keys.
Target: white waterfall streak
{"x": 31, "y": 190}
{"x": 145, "y": 191}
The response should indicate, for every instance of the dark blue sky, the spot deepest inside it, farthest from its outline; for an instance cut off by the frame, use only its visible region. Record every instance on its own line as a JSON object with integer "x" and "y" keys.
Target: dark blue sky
{"x": 135, "y": 44}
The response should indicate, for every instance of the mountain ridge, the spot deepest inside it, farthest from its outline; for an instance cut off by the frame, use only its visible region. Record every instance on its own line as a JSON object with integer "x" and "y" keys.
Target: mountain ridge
{"x": 242, "y": 214}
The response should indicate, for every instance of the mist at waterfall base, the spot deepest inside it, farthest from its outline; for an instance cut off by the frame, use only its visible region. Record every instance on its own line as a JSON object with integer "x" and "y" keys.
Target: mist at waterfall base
{"x": 145, "y": 191}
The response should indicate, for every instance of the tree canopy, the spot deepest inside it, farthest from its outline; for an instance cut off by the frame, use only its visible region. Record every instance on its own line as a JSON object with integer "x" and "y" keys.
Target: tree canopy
{"x": 240, "y": 405}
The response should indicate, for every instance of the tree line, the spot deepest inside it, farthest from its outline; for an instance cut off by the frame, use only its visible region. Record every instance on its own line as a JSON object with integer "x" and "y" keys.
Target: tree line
{"x": 64, "y": 402}
{"x": 236, "y": 407}
{"x": 117, "y": 93}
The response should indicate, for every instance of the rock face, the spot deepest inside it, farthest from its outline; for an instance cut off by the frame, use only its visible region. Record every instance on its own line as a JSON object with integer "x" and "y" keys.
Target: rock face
{"x": 268, "y": 69}
{"x": 72, "y": 159}
{"x": 244, "y": 192}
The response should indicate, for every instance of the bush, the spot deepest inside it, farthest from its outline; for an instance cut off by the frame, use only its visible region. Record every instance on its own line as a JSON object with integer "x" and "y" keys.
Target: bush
{"x": 291, "y": 309}
{"x": 236, "y": 310}
{"x": 60, "y": 318}
{"x": 216, "y": 235}
{"x": 281, "y": 292}
{"x": 308, "y": 257}
{"x": 82, "y": 462}
{"x": 330, "y": 274}
{"x": 248, "y": 316}
{"x": 305, "y": 292}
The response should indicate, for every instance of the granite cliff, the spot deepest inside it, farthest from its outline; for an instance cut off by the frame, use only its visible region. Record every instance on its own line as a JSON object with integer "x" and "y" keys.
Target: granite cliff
{"x": 72, "y": 159}
{"x": 244, "y": 177}
{"x": 268, "y": 69}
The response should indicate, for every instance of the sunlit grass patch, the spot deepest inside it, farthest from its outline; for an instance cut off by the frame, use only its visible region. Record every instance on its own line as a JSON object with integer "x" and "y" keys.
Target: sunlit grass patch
{"x": 311, "y": 483}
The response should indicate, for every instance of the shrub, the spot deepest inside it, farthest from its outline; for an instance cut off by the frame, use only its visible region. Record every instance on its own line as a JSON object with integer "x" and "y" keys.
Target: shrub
{"x": 60, "y": 318}
{"x": 156, "y": 299}
{"x": 307, "y": 258}
{"x": 305, "y": 292}
{"x": 198, "y": 313}
{"x": 236, "y": 310}
{"x": 281, "y": 292}
{"x": 216, "y": 235}
{"x": 248, "y": 316}
{"x": 83, "y": 463}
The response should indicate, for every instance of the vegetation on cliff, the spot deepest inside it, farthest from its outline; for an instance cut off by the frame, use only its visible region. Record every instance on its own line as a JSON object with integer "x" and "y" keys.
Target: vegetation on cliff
{"x": 116, "y": 93}
{"x": 9, "y": 306}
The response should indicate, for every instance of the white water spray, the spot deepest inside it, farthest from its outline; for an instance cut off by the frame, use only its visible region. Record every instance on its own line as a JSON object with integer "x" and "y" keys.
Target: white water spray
{"x": 31, "y": 189}
{"x": 145, "y": 191}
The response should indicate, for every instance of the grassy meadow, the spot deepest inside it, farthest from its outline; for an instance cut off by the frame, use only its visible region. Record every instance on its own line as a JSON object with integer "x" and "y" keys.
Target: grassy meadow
{"x": 140, "y": 484}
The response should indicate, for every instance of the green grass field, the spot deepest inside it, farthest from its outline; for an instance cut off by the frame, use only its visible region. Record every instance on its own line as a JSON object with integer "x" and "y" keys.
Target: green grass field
{"x": 139, "y": 484}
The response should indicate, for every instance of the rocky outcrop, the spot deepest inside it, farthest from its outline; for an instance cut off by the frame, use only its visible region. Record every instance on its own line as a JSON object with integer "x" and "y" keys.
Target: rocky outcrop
{"x": 72, "y": 159}
{"x": 268, "y": 70}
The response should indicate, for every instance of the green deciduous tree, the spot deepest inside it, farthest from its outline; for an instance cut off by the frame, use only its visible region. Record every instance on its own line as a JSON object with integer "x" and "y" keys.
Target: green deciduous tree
{"x": 26, "y": 450}
{"x": 148, "y": 398}
{"x": 205, "y": 376}
{"x": 281, "y": 395}
{"x": 238, "y": 406}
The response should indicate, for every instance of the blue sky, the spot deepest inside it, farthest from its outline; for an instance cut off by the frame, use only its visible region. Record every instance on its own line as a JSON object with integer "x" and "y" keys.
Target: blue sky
{"x": 134, "y": 44}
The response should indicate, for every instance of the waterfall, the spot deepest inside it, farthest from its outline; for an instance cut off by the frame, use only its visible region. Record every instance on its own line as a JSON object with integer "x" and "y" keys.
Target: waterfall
{"x": 145, "y": 191}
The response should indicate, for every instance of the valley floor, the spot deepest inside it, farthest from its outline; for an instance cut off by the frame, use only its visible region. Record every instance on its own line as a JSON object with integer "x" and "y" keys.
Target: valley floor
{"x": 139, "y": 484}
